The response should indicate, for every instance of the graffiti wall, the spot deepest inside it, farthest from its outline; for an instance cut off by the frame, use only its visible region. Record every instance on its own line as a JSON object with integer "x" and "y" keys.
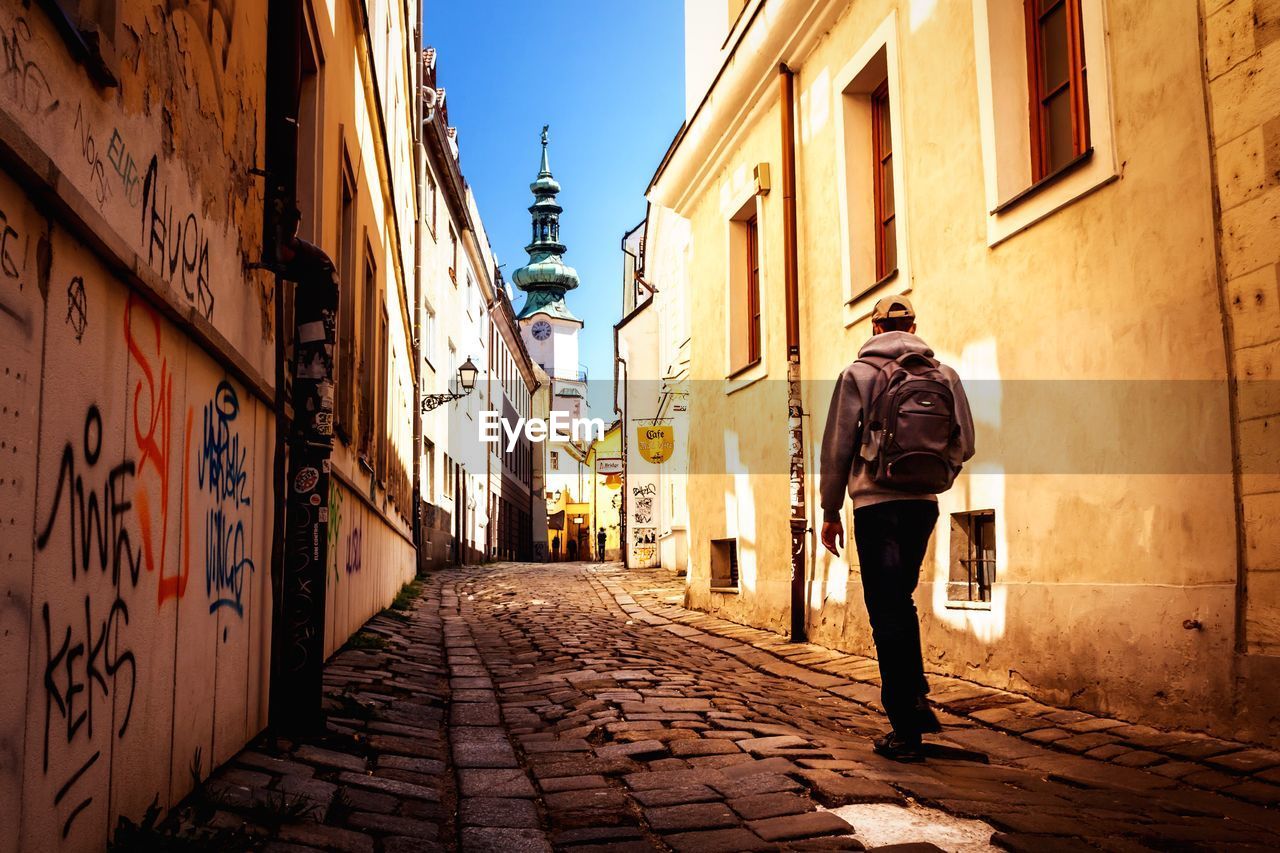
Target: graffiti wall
{"x": 135, "y": 467}
{"x": 368, "y": 563}
{"x": 134, "y": 578}
{"x": 137, "y": 601}
{"x": 642, "y": 521}
{"x": 162, "y": 159}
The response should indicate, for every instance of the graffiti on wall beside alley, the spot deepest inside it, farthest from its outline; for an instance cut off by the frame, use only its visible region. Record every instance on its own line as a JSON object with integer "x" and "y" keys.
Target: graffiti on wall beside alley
{"x": 177, "y": 245}
{"x": 90, "y": 656}
{"x": 221, "y": 473}
{"x": 21, "y": 76}
{"x": 354, "y": 542}
{"x": 644, "y": 546}
{"x": 151, "y": 405}
{"x": 642, "y": 503}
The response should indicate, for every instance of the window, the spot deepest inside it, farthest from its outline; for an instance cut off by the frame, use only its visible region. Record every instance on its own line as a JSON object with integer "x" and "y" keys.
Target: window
{"x": 453, "y": 256}
{"x": 1056, "y": 82}
{"x": 429, "y": 334}
{"x": 369, "y": 359}
{"x": 872, "y": 210}
{"x": 448, "y": 476}
{"x": 555, "y": 460}
{"x": 348, "y": 300}
{"x": 431, "y": 201}
{"x": 882, "y": 178}
{"x": 745, "y": 348}
{"x": 724, "y": 564}
{"x": 753, "y": 290}
{"x": 429, "y": 471}
{"x": 382, "y": 381}
{"x": 973, "y": 557}
{"x": 1046, "y": 126}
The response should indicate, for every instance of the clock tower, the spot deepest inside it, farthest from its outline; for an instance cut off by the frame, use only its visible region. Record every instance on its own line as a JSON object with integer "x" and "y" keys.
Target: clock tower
{"x": 549, "y": 328}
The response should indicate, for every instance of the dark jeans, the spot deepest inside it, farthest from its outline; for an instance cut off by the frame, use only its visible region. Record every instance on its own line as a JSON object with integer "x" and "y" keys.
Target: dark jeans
{"x": 891, "y": 539}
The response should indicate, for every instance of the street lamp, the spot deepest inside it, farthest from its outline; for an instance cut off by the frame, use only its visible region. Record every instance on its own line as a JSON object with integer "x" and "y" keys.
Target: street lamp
{"x": 466, "y": 381}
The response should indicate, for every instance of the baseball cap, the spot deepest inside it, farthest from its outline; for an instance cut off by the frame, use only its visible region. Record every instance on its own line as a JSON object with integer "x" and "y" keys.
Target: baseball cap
{"x": 893, "y": 306}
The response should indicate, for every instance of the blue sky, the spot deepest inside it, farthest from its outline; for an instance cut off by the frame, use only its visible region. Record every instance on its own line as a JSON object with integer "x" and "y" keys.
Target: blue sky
{"x": 609, "y": 79}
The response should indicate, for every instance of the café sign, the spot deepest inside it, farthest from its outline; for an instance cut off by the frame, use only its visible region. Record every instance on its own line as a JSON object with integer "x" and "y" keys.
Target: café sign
{"x": 656, "y": 443}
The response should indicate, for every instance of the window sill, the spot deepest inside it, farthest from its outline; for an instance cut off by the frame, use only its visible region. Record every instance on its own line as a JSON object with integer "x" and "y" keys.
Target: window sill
{"x": 968, "y": 605}
{"x": 745, "y": 377}
{"x": 725, "y": 590}
{"x": 744, "y": 369}
{"x": 1047, "y": 181}
{"x": 867, "y": 291}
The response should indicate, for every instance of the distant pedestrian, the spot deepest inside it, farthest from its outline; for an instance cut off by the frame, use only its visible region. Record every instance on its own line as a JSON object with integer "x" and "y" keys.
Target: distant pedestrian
{"x": 898, "y": 430}
{"x": 573, "y": 550}
{"x": 600, "y": 540}
{"x": 555, "y": 548}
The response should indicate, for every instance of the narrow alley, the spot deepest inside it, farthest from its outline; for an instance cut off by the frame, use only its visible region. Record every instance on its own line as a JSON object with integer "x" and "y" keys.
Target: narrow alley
{"x": 579, "y": 706}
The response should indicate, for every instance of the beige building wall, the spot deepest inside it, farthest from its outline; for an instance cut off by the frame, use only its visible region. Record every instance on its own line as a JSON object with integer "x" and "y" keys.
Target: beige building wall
{"x": 1242, "y": 53}
{"x": 137, "y": 361}
{"x": 371, "y": 552}
{"x": 1085, "y": 318}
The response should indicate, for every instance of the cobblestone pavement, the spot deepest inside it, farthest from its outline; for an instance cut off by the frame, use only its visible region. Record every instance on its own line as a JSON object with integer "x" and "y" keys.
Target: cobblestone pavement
{"x": 525, "y": 707}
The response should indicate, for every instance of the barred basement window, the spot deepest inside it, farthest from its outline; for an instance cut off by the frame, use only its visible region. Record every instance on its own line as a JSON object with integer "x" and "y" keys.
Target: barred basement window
{"x": 724, "y": 564}
{"x": 973, "y": 558}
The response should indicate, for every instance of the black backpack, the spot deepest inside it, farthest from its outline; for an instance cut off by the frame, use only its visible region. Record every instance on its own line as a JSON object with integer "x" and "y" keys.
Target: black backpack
{"x": 910, "y": 425}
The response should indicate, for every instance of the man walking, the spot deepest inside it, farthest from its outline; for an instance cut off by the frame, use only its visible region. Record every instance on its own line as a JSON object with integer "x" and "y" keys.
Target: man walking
{"x": 600, "y": 540}
{"x": 555, "y": 548}
{"x": 898, "y": 430}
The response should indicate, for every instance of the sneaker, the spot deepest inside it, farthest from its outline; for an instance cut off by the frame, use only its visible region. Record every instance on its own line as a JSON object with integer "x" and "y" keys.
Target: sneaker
{"x": 897, "y": 747}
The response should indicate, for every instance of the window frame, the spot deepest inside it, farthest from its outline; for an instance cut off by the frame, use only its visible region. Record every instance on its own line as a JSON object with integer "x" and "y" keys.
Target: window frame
{"x": 368, "y": 359}
{"x": 1015, "y": 202}
{"x": 1074, "y": 87}
{"x": 752, "y": 226}
{"x": 970, "y": 569}
{"x": 348, "y": 201}
{"x": 882, "y": 120}
{"x": 871, "y": 66}
{"x": 745, "y": 321}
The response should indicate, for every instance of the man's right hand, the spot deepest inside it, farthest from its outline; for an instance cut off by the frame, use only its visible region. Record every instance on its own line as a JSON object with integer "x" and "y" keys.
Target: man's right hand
{"x": 833, "y": 533}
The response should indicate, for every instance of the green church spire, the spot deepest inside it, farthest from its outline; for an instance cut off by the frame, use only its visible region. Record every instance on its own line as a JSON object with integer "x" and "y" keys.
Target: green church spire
{"x": 546, "y": 277}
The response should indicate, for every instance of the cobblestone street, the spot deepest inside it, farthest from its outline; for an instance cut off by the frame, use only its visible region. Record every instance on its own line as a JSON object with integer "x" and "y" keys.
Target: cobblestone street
{"x": 532, "y": 707}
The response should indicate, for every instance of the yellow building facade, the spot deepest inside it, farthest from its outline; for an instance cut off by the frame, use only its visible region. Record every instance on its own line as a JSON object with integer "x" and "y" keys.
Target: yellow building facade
{"x": 1112, "y": 546}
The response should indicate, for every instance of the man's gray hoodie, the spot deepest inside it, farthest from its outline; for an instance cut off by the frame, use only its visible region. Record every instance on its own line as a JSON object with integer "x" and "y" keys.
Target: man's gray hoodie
{"x": 842, "y": 466}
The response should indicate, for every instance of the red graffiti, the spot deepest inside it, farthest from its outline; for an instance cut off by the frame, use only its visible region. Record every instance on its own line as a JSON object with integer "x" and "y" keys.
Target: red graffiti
{"x": 152, "y": 420}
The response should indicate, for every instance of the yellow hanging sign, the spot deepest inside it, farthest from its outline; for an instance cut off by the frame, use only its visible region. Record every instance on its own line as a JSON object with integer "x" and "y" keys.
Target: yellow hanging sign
{"x": 656, "y": 442}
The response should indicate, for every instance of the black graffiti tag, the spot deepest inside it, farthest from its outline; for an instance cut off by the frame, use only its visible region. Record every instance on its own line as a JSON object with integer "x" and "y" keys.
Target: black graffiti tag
{"x": 176, "y": 244}
{"x": 24, "y": 80}
{"x": 82, "y": 669}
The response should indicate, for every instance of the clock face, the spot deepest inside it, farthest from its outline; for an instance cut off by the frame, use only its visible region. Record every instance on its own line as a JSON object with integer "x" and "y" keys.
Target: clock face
{"x": 542, "y": 330}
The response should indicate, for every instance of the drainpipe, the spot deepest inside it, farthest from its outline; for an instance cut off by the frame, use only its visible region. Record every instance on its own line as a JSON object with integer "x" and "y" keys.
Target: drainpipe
{"x": 795, "y": 403}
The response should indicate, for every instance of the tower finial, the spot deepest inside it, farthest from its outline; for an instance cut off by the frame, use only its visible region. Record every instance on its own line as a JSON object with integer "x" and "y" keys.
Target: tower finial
{"x": 545, "y": 128}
